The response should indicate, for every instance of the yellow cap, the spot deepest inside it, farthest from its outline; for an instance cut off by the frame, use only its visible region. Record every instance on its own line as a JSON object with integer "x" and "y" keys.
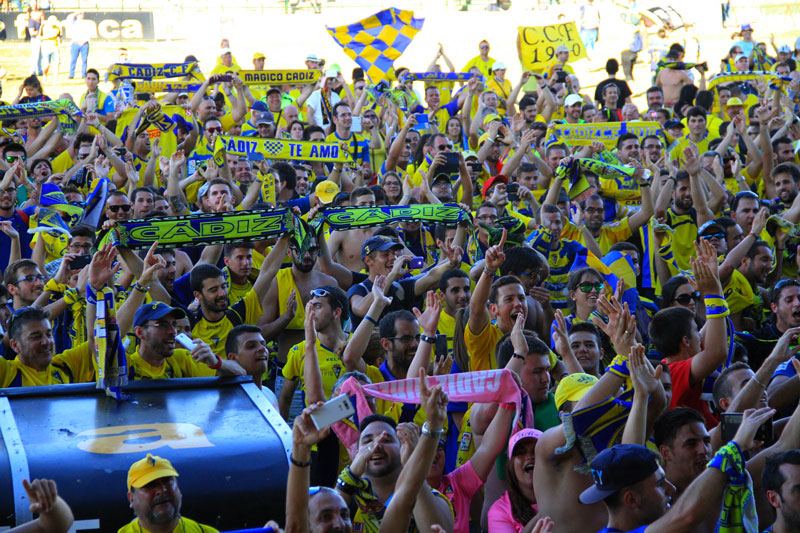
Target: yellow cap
{"x": 573, "y": 387}
{"x": 326, "y": 191}
{"x": 492, "y": 116}
{"x": 149, "y": 469}
{"x": 733, "y": 101}
{"x": 258, "y": 55}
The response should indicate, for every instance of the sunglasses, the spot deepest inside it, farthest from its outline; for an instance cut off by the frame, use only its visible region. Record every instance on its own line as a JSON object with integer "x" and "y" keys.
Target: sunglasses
{"x": 9, "y": 190}
{"x": 12, "y": 158}
{"x": 79, "y": 204}
{"x": 319, "y": 293}
{"x": 588, "y": 287}
{"x": 710, "y": 236}
{"x": 116, "y": 208}
{"x": 214, "y": 130}
{"x": 17, "y": 313}
{"x": 685, "y": 299}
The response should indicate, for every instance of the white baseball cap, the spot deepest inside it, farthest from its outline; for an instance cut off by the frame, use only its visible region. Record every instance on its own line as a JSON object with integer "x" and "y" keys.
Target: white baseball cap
{"x": 572, "y": 99}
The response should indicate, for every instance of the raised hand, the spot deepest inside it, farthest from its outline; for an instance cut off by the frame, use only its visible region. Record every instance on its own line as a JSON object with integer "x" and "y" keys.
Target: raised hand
{"x": 291, "y": 303}
{"x": 494, "y": 255}
{"x": 309, "y": 324}
{"x": 429, "y": 319}
{"x": 751, "y": 421}
{"x": 304, "y": 432}
{"x": 561, "y": 334}
{"x": 434, "y": 399}
{"x": 202, "y": 353}
{"x": 645, "y": 379}
{"x": 518, "y": 336}
{"x": 379, "y": 290}
{"x": 408, "y": 434}
{"x": 101, "y": 270}
{"x": 42, "y": 493}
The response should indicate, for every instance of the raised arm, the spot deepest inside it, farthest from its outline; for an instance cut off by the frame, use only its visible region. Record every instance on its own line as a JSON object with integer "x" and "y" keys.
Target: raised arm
{"x": 55, "y": 516}
{"x": 429, "y": 322}
{"x": 270, "y": 266}
{"x": 354, "y": 350}
{"x": 645, "y": 383}
{"x": 305, "y": 435}
{"x": 312, "y": 375}
{"x": 478, "y": 304}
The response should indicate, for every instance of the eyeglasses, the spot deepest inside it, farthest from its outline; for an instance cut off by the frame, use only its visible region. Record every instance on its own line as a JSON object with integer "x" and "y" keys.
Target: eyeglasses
{"x": 491, "y": 218}
{"x": 32, "y": 278}
{"x": 115, "y": 208}
{"x": 685, "y": 299}
{"x": 12, "y": 158}
{"x": 214, "y": 130}
{"x": 10, "y": 190}
{"x": 319, "y": 293}
{"x": 79, "y": 204}
{"x": 405, "y": 339}
{"x": 709, "y": 236}
{"x": 444, "y": 147}
{"x": 588, "y": 287}
{"x": 484, "y": 47}
{"x": 87, "y": 246}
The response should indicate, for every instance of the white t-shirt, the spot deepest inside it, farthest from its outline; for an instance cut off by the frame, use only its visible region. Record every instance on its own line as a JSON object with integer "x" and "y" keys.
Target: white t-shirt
{"x": 315, "y": 101}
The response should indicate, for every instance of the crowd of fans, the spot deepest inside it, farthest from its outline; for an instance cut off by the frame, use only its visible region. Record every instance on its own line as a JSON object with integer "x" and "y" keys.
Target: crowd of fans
{"x": 633, "y": 400}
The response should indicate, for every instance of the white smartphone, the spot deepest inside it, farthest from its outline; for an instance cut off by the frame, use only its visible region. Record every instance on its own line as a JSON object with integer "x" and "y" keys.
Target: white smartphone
{"x": 332, "y": 411}
{"x": 355, "y": 127}
{"x": 185, "y": 341}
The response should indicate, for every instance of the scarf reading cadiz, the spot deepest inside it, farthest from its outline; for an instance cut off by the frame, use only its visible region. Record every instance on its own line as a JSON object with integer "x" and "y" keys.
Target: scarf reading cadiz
{"x": 344, "y": 218}
{"x": 146, "y": 71}
{"x": 202, "y": 229}
{"x": 112, "y": 364}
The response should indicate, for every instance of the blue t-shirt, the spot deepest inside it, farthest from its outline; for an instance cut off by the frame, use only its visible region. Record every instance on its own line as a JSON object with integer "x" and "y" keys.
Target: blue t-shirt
{"x": 20, "y": 224}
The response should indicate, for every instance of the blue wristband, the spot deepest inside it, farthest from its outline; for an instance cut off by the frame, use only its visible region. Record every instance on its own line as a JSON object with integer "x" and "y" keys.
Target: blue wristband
{"x": 370, "y": 319}
{"x": 91, "y": 296}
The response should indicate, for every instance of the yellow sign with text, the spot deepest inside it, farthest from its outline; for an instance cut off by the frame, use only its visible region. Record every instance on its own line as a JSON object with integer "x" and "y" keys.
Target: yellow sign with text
{"x": 143, "y": 438}
{"x": 279, "y": 77}
{"x": 537, "y": 45}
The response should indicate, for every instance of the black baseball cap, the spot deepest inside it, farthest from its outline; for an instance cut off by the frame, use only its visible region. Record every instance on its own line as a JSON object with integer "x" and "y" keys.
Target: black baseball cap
{"x": 618, "y": 467}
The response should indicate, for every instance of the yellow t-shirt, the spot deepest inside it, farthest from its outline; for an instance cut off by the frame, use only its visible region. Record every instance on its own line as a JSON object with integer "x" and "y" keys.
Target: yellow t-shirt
{"x": 502, "y": 90}
{"x": 330, "y": 364}
{"x": 62, "y": 162}
{"x": 71, "y": 366}
{"x": 610, "y": 234}
{"x": 185, "y": 525}
{"x": 285, "y": 286}
{"x": 245, "y": 311}
{"x": 483, "y": 66}
{"x": 481, "y": 347}
{"x": 677, "y": 152}
{"x": 179, "y": 365}
{"x": 738, "y": 293}
{"x": 447, "y": 326}
{"x": 683, "y": 239}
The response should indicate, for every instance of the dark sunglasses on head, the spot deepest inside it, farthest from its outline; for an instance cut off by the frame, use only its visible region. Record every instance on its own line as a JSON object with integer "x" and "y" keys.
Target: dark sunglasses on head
{"x": 116, "y": 208}
{"x": 709, "y": 236}
{"x": 587, "y": 287}
{"x": 685, "y": 299}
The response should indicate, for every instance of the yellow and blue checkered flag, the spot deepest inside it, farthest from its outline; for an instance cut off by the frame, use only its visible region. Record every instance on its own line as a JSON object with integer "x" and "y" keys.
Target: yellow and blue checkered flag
{"x": 375, "y": 42}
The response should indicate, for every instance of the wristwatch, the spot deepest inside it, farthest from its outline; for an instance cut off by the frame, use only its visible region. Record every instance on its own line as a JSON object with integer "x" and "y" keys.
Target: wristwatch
{"x": 429, "y": 340}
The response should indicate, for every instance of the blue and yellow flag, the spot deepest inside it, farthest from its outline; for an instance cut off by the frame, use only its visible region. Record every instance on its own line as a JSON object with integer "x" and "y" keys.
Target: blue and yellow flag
{"x": 375, "y": 42}
{"x": 48, "y": 220}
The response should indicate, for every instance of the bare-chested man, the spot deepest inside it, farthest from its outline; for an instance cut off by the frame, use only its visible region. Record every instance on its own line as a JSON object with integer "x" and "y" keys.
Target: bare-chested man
{"x": 345, "y": 246}
{"x": 284, "y": 305}
{"x": 672, "y": 80}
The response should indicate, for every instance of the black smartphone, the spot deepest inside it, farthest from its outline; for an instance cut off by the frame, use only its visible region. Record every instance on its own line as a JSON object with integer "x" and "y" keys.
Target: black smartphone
{"x": 512, "y": 189}
{"x": 441, "y": 345}
{"x": 561, "y": 76}
{"x": 730, "y": 422}
{"x": 451, "y": 164}
{"x": 120, "y": 151}
{"x": 80, "y": 262}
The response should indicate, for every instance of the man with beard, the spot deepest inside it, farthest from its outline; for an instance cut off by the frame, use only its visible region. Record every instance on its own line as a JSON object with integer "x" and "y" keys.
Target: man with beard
{"x": 681, "y": 216}
{"x": 785, "y": 178}
{"x": 329, "y": 306}
{"x": 287, "y": 297}
{"x": 18, "y": 219}
{"x": 383, "y": 446}
{"x": 24, "y": 281}
{"x": 143, "y": 199}
{"x": 353, "y": 143}
{"x": 239, "y": 270}
{"x": 454, "y": 292}
{"x": 607, "y": 235}
{"x": 216, "y": 316}
{"x": 781, "y": 477}
{"x": 155, "y": 498}
{"x": 118, "y": 207}
{"x": 744, "y": 290}
{"x": 783, "y": 150}
{"x": 653, "y": 148}
{"x": 302, "y": 184}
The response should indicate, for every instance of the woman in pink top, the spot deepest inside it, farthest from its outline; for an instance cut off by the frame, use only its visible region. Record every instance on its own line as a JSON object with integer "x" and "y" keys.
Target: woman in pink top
{"x": 463, "y": 482}
{"x": 517, "y": 506}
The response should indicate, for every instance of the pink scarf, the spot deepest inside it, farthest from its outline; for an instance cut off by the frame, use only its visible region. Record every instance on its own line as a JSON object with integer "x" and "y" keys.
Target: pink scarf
{"x": 482, "y": 386}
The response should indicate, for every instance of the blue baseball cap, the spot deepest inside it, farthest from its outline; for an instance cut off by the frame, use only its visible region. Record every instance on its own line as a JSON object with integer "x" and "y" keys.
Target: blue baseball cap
{"x": 379, "y": 243}
{"x": 154, "y": 311}
{"x": 258, "y": 105}
{"x": 618, "y": 467}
